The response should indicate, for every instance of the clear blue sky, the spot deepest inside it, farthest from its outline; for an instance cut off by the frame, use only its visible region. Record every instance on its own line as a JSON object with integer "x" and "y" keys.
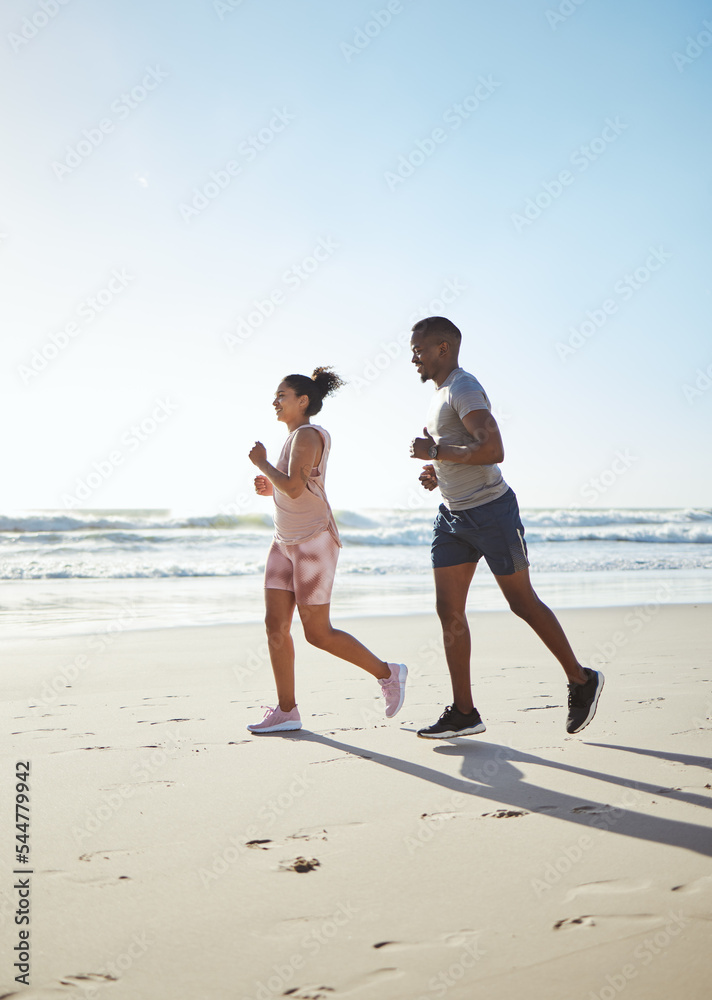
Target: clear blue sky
{"x": 305, "y": 122}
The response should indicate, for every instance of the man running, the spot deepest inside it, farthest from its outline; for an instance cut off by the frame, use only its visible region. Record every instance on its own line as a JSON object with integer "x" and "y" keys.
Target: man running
{"x": 479, "y": 517}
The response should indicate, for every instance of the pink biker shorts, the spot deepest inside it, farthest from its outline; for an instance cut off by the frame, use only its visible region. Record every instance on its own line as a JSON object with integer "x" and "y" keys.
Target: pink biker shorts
{"x": 307, "y": 569}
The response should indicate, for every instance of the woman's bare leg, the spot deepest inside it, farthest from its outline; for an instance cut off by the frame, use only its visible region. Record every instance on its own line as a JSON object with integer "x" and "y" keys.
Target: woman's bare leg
{"x": 319, "y": 631}
{"x": 279, "y": 610}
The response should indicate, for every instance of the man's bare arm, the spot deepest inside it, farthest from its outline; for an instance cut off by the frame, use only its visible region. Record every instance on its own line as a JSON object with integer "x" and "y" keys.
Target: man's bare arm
{"x": 487, "y": 447}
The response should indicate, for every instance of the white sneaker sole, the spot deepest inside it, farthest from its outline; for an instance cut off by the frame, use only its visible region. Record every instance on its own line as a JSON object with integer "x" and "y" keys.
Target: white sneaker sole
{"x": 281, "y": 727}
{"x": 471, "y": 731}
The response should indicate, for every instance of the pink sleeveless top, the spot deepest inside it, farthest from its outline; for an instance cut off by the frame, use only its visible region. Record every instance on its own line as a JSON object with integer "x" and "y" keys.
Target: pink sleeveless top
{"x": 299, "y": 519}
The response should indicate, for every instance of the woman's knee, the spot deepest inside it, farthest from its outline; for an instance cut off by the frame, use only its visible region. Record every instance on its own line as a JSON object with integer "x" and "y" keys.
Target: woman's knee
{"x": 318, "y": 635}
{"x": 276, "y": 625}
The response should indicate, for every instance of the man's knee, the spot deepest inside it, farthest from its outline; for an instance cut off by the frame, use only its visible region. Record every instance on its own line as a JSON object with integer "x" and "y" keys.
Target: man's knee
{"x": 447, "y": 609}
{"x": 454, "y": 623}
{"x": 524, "y": 605}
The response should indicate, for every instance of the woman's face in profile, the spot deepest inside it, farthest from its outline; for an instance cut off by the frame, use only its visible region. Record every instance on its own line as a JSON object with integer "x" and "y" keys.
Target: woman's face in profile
{"x": 287, "y": 404}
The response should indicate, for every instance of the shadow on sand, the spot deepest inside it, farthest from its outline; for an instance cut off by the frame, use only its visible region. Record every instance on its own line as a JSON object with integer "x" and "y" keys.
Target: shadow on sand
{"x": 489, "y": 771}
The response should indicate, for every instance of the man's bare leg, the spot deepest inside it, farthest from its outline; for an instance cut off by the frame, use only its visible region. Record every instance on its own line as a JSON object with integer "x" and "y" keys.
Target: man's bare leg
{"x": 523, "y": 601}
{"x": 452, "y": 584}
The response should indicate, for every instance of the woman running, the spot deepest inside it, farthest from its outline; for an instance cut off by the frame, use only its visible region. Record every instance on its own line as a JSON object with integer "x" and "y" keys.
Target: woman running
{"x": 301, "y": 563}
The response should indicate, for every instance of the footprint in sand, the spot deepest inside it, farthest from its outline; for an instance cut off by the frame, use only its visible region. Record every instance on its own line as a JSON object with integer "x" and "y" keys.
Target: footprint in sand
{"x": 90, "y": 981}
{"x": 703, "y": 884}
{"x": 456, "y": 939}
{"x": 593, "y": 920}
{"x": 266, "y": 845}
{"x": 305, "y": 992}
{"x": 108, "y": 855}
{"x": 610, "y": 887}
{"x": 575, "y": 921}
{"x": 300, "y": 865}
{"x": 506, "y": 813}
{"x": 375, "y": 978}
{"x": 49, "y": 729}
{"x": 100, "y": 881}
{"x": 162, "y": 723}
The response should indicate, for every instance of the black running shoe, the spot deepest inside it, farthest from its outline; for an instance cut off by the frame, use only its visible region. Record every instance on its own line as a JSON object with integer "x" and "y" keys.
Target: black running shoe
{"x": 454, "y": 723}
{"x": 583, "y": 699}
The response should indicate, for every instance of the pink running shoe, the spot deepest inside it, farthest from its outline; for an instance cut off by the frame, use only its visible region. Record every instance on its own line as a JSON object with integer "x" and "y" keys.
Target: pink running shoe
{"x": 277, "y": 721}
{"x": 393, "y": 688}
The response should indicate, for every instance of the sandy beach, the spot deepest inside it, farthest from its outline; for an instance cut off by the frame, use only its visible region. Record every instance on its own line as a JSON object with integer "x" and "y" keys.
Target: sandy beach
{"x": 175, "y": 856}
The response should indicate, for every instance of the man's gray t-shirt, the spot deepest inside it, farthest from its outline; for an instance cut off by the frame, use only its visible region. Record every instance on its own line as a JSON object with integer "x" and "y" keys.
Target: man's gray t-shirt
{"x": 462, "y": 486}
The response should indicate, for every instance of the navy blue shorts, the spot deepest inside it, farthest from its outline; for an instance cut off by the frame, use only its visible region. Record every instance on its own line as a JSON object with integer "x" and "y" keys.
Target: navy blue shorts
{"x": 493, "y": 530}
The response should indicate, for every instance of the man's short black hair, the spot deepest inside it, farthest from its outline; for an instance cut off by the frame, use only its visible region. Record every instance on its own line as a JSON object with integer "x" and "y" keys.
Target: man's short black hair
{"x": 439, "y": 327}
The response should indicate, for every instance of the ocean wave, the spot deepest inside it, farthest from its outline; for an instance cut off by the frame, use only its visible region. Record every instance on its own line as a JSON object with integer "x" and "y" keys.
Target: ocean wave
{"x": 664, "y": 533}
{"x": 112, "y": 572}
{"x": 578, "y": 517}
{"x": 37, "y": 523}
{"x": 364, "y": 528}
